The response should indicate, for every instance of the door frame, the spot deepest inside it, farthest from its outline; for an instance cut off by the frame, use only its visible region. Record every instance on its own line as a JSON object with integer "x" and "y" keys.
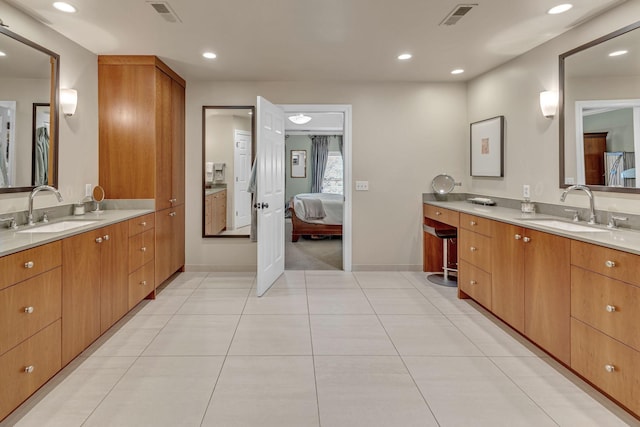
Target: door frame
{"x": 347, "y": 162}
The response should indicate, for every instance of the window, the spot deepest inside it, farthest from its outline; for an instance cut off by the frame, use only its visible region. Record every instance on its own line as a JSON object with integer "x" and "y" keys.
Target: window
{"x": 333, "y": 174}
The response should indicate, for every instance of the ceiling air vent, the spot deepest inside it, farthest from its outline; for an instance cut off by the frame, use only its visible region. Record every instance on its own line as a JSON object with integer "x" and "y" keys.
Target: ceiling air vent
{"x": 163, "y": 9}
{"x": 457, "y": 13}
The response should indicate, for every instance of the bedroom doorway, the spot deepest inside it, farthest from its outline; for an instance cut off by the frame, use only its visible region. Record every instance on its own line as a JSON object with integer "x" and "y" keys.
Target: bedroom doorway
{"x": 326, "y": 244}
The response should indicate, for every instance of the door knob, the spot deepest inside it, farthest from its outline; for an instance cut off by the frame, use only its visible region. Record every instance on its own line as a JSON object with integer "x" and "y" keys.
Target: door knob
{"x": 261, "y": 205}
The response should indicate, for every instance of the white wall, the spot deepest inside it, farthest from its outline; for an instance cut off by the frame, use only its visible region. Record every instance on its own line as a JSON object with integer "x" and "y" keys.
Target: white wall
{"x": 531, "y": 141}
{"x": 78, "y": 135}
{"x": 403, "y": 135}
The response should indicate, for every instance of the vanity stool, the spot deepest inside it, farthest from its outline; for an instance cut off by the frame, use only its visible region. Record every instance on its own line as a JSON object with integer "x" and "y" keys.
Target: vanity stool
{"x": 449, "y": 257}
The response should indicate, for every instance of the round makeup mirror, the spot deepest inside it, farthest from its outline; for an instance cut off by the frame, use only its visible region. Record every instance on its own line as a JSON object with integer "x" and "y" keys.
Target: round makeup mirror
{"x": 443, "y": 184}
{"x": 98, "y": 196}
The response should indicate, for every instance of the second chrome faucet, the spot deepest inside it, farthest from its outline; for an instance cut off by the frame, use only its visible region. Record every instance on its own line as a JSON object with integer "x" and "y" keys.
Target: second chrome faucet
{"x": 33, "y": 194}
{"x": 592, "y": 210}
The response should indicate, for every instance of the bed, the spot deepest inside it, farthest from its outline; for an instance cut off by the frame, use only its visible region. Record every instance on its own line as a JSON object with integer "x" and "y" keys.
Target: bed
{"x": 316, "y": 214}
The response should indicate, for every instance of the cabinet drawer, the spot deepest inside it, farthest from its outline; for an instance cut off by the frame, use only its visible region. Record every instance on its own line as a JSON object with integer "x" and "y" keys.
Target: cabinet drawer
{"x": 23, "y": 265}
{"x": 594, "y": 354}
{"x": 141, "y": 249}
{"x": 28, "y": 366}
{"x": 606, "y": 304}
{"x": 141, "y": 284}
{"x": 610, "y": 262}
{"x": 475, "y": 249}
{"x": 475, "y": 282}
{"x": 28, "y": 307}
{"x": 142, "y": 223}
{"x": 445, "y": 216}
{"x": 476, "y": 224}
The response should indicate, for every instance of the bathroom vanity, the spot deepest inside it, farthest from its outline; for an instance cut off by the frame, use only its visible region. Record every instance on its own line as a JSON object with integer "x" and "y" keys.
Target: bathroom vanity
{"x": 572, "y": 290}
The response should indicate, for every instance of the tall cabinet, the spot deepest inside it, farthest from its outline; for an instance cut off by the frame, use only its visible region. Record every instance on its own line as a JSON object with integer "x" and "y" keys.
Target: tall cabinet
{"x": 141, "y": 105}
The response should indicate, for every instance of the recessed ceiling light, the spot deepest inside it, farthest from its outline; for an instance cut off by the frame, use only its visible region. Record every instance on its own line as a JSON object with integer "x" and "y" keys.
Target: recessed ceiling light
{"x": 561, "y": 8}
{"x": 619, "y": 52}
{"x": 64, "y": 7}
{"x": 457, "y": 71}
{"x": 300, "y": 119}
{"x": 210, "y": 55}
{"x": 404, "y": 56}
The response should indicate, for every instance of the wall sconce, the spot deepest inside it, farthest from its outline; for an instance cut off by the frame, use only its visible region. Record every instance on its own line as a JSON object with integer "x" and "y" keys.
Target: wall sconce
{"x": 68, "y": 101}
{"x": 549, "y": 103}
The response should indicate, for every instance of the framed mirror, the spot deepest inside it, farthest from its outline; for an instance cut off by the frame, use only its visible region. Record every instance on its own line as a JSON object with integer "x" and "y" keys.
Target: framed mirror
{"x": 228, "y": 153}
{"x": 600, "y": 113}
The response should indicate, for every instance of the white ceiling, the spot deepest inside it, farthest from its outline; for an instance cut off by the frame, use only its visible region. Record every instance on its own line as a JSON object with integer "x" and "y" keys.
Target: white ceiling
{"x": 311, "y": 40}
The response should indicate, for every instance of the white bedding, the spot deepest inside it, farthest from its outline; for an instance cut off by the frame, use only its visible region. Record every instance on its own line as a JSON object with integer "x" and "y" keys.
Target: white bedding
{"x": 332, "y": 204}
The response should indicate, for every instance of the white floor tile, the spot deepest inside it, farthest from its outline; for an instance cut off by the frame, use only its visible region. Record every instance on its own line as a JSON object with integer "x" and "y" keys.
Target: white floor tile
{"x": 368, "y": 391}
{"x": 382, "y": 279}
{"x": 228, "y": 280}
{"x": 264, "y": 391}
{"x": 399, "y": 301}
{"x": 278, "y": 301}
{"x": 266, "y": 335}
{"x": 215, "y": 301}
{"x": 125, "y": 342}
{"x": 330, "y": 279}
{"x": 349, "y": 335}
{"x": 338, "y": 301}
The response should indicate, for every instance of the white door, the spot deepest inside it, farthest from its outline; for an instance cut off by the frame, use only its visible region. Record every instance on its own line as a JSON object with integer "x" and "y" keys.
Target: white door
{"x": 270, "y": 193}
{"x": 242, "y": 172}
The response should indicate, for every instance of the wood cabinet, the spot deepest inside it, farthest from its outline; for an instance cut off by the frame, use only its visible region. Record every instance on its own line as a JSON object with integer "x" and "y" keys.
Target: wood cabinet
{"x": 216, "y": 212}
{"x": 605, "y": 296}
{"x": 141, "y": 259}
{"x": 474, "y": 272}
{"x": 436, "y": 217}
{"x": 30, "y": 312}
{"x": 141, "y": 104}
{"x": 95, "y": 286}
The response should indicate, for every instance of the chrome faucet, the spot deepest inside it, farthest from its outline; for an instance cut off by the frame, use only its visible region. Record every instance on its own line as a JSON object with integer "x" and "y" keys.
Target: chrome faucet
{"x": 33, "y": 194}
{"x": 592, "y": 210}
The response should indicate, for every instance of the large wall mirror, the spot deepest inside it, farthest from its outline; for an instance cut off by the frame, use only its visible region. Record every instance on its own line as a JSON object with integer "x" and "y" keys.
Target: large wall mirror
{"x": 228, "y": 151}
{"x": 28, "y": 114}
{"x": 600, "y": 113}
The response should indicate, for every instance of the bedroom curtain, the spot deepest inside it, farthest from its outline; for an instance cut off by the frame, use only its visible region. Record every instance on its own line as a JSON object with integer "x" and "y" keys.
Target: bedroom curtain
{"x": 340, "y": 145}
{"x": 319, "y": 155}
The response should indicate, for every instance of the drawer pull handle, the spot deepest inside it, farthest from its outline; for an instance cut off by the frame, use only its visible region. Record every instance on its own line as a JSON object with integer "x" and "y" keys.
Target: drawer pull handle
{"x": 609, "y": 368}
{"x": 28, "y": 310}
{"x": 172, "y": 214}
{"x": 143, "y": 249}
{"x": 143, "y": 283}
{"x": 473, "y": 282}
{"x": 610, "y": 264}
{"x": 526, "y": 239}
{"x": 472, "y": 223}
{"x": 610, "y": 308}
{"x": 517, "y": 237}
{"x": 473, "y": 249}
{"x": 143, "y": 223}
{"x": 29, "y": 264}
{"x": 438, "y": 213}
{"x": 106, "y": 237}
{"x": 29, "y": 369}
{"x": 173, "y": 200}
{"x": 99, "y": 240}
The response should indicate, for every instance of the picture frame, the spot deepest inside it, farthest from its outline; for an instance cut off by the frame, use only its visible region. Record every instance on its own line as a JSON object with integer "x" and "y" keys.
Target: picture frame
{"x": 487, "y": 147}
{"x": 298, "y": 163}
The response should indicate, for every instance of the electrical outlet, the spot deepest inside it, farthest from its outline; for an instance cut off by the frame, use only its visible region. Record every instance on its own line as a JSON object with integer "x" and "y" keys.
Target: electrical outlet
{"x": 87, "y": 190}
{"x": 569, "y": 180}
{"x": 362, "y": 185}
{"x": 526, "y": 191}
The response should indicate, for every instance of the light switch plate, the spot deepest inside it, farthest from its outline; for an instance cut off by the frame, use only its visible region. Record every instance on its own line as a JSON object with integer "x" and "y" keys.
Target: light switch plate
{"x": 362, "y": 185}
{"x": 526, "y": 191}
{"x": 87, "y": 190}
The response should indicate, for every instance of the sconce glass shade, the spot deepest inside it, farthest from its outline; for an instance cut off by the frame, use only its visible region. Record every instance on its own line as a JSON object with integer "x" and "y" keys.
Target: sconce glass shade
{"x": 300, "y": 119}
{"x": 68, "y": 101}
{"x": 549, "y": 103}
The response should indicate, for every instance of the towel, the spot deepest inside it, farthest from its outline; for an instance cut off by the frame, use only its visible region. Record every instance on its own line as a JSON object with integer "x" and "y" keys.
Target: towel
{"x": 313, "y": 209}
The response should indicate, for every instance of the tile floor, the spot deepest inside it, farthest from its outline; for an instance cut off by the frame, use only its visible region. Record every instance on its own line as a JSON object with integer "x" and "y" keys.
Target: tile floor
{"x": 322, "y": 348}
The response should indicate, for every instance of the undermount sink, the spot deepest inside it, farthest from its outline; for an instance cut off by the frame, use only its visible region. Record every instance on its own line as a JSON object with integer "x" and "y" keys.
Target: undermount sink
{"x": 57, "y": 227}
{"x": 566, "y": 226}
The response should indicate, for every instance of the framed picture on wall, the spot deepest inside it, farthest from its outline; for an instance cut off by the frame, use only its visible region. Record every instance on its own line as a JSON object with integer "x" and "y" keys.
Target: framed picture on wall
{"x": 298, "y": 163}
{"x": 487, "y": 147}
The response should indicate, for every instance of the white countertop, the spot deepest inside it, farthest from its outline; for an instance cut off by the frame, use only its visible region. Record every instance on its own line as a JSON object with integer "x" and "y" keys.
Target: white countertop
{"x": 12, "y": 241}
{"x": 621, "y": 239}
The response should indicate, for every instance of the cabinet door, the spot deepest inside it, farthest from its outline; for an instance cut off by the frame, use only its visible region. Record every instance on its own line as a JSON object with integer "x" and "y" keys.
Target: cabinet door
{"x": 164, "y": 182}
{"x": 80, "y": 292}
{"x": 507, "y": 268}
{"x": 163, "y": 245}
{"x": 178, "y": 244}
{"x": 177, "y": 140}
{"x": 114, "y": 274}
{"x": 547, "y": 286}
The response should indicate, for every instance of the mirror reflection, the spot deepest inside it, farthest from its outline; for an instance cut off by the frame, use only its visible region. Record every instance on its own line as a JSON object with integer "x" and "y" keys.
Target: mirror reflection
{"x": 28, "y": 127}
{"x": 228, "y": 150}
{"x": 600, "y": 121}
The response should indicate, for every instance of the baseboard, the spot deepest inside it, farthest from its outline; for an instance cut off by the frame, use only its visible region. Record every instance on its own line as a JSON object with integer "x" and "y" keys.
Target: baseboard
{"x": 221, "y": 268}
{"x": 386, "y": 267}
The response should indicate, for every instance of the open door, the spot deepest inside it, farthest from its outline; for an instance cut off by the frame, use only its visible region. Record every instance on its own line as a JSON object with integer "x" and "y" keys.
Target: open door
{"x": 242, "y": 172}
{"x": 270, "y": 193}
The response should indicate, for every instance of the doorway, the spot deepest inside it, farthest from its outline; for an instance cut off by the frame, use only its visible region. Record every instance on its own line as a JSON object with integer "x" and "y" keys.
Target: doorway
{"x": 333, "y": 249}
